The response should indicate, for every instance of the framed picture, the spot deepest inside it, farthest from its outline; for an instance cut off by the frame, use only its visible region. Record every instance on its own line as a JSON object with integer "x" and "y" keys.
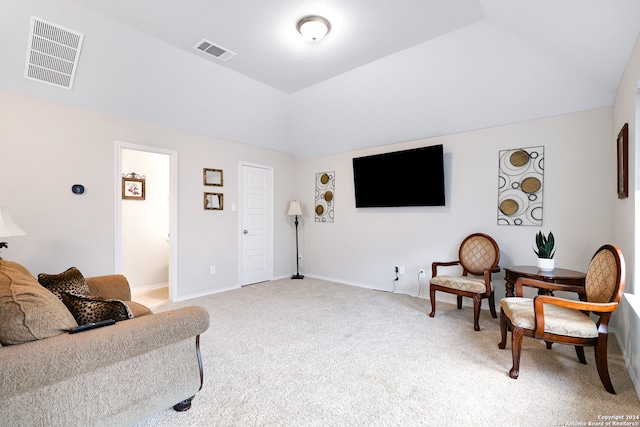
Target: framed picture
{"x": 133, "y": 187}
{"x": 213, "y": 201}
{"x": 623, "y": 162}
{"x": 212, "y": 177}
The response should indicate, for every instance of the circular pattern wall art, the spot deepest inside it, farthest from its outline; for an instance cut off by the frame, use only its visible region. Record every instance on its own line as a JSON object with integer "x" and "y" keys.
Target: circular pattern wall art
{"x": 325, "y": 194}
{"x": 520, "y": 183}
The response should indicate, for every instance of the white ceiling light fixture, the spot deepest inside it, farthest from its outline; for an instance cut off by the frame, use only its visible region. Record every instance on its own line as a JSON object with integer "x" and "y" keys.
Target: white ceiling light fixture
{"x": 314, "y": 28}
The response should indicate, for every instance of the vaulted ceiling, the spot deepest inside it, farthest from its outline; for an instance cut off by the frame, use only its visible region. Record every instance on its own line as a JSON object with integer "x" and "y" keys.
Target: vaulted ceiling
{"x": 389, "y": 71}
{"x": 595, "y": 36}
{"x": 269, "y": 49}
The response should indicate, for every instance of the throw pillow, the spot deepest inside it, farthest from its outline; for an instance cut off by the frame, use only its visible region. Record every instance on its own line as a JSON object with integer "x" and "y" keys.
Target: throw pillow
{"x": 28, "y": 312}
{"x": 71, "y": 281}
{"x": 90, "y": 309}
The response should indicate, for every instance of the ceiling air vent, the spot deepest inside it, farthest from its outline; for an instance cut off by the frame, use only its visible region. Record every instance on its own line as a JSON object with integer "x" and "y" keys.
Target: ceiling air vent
{"x": 52, "y": 56}
{"x": 212, "y": 49}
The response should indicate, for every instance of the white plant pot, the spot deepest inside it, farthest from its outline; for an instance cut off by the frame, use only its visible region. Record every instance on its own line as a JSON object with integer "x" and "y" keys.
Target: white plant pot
{"x": 546, "y": 264}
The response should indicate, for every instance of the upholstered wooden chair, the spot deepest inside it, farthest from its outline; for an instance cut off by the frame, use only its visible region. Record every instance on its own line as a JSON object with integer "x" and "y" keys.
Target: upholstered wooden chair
{"x": 478, "y": 256}
{"x": 566, "y": 321}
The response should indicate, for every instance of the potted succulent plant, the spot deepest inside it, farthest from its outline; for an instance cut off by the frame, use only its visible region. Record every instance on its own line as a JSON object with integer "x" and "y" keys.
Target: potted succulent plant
{"x": 545, "y": 250}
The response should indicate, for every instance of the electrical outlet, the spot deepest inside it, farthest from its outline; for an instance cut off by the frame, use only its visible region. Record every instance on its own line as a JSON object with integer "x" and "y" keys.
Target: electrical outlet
{"x": 212, "y": 269}
{"x": 422, "y": 273}
{"x": 300, "y": 257}
{"x": 400, "y": 270}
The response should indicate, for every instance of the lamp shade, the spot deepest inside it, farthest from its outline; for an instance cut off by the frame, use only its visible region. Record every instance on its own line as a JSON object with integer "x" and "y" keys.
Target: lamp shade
{"x": 8, "y": 227}
{"x": 294, "y": 208}
{"x": 314, "y": 28}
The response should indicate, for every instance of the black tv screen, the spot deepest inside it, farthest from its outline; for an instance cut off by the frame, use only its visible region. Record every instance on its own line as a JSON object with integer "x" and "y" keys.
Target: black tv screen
{"x": 403, "y": 178}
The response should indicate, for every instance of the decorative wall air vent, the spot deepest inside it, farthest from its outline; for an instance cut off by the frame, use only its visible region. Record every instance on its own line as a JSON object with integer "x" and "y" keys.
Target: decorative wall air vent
{"x": 217, "y": 51}
{"x": 53, "y": 52}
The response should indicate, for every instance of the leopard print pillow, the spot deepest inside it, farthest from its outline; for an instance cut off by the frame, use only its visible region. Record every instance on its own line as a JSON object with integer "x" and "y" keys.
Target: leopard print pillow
{"x": 90, "y": 309}
{"x": 71, "y": 281}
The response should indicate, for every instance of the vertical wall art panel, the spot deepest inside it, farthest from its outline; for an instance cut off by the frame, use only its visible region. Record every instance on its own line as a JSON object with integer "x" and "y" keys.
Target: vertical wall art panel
{"x": 520, "y": 183}
{"x": 325, "y": 195}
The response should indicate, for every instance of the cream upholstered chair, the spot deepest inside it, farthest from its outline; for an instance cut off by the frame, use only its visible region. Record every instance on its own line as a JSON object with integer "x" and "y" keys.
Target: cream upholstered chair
{"x": 478, "y": 256}
{"x": 565, "y": 321}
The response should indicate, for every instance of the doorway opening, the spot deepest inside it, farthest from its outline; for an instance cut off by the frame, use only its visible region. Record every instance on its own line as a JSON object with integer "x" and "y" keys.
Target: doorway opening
{"x": 146, "y": 227}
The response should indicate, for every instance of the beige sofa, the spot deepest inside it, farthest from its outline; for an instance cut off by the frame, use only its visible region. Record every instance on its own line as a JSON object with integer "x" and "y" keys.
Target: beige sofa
{"x": 115, "y": 375}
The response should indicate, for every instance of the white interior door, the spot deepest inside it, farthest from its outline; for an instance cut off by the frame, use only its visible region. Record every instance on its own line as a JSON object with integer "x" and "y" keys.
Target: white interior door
{"x": 256, "y": 226}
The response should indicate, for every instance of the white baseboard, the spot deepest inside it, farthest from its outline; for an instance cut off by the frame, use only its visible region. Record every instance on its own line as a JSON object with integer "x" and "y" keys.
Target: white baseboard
{"x": 625, "y": 355}
{"x": 633, "y": 303}
{"x": 204, "y": 294}
{"x": 150, "y": 287}
{"x": 424, "y": 293}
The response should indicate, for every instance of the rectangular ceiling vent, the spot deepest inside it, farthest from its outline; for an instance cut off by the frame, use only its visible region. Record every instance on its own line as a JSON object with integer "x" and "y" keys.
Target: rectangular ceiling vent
{"x": 217, "y": 51}
{"x": 52, "y": 55}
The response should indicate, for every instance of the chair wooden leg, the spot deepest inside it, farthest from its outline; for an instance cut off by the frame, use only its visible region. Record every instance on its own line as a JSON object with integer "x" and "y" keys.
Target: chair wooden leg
{"x": 492, "y": 305}
{"x": 432, "y": 297}
{"x": 600, "y": 351}
{"x": 459, "y": 301}
{"x": 516, "y": 346}
{"x": 503, "y": 330}
{"x": 477, "y": 300}
{"x": 580, "y": 353}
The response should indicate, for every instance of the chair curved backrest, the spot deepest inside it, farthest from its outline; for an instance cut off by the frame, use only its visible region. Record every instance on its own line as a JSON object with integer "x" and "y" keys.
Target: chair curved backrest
{"x": 606, "y": 275}
{"x": 567, "y": 321}
{"x": 478, "y": 252}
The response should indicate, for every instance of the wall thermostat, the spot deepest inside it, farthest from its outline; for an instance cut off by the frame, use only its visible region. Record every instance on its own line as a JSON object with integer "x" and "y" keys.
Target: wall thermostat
{"x": 77, "y": 189}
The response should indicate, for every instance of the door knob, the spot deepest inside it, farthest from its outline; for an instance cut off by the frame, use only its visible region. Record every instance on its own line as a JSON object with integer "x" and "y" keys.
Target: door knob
{"x": 245, "y": 232}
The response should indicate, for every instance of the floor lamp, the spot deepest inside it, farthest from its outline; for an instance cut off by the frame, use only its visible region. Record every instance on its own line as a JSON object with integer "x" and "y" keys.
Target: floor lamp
{"x": 8, "y": 228}
{"x": 294, "y": 210}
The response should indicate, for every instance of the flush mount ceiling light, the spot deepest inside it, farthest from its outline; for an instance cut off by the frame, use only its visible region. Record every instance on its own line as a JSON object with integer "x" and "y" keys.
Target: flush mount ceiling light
{"x": 313, "y": 28}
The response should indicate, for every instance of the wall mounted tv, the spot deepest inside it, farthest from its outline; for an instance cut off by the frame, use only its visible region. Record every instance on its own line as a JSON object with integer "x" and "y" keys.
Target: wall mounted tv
{"x": 402, "y": 178}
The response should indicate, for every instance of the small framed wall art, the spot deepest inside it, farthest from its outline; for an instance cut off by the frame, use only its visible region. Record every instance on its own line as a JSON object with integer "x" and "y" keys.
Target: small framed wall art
{"x": 212, "y": 177}
{"x": 623, "y": 162}
{"x": 213, "y": 201}
{"x": 133, "y": 186}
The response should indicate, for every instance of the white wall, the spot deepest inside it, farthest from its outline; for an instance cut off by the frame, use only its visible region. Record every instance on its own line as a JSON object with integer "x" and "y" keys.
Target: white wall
{"x": 627, "y": 320}
{"x": 145, "y": 223}
{"x": 362, "y": 246}
{"x": 482, "y": 75}
{"x": 45, "y": 148}
{"x": 127, "y": 73}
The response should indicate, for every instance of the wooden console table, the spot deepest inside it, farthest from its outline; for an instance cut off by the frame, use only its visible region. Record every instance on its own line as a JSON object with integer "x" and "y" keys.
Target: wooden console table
{"x": 559, "y": 276}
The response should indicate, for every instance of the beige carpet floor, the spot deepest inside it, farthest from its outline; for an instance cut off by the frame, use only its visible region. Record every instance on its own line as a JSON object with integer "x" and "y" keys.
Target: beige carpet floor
{"x": 316, "y": 353}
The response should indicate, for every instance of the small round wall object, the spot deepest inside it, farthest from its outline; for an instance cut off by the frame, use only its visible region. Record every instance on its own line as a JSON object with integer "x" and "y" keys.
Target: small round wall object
{"x": 77, "y": 188}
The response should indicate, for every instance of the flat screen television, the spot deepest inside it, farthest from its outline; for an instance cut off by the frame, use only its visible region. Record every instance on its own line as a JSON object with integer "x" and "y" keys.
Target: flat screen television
{"x": 402, "y": 178}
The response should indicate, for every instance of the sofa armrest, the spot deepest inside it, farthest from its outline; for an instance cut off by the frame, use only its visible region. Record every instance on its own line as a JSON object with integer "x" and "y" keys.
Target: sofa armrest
{"x": 48, "y": 361}
{"x": 114, "y": 286}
